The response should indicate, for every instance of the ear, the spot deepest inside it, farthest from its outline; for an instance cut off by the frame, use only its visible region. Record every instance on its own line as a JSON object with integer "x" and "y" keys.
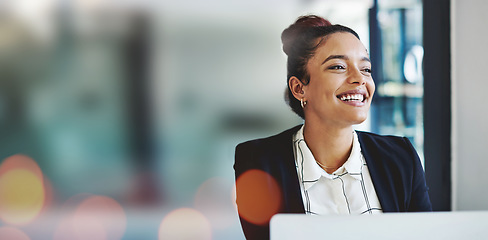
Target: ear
{"x": 296, "y": 87}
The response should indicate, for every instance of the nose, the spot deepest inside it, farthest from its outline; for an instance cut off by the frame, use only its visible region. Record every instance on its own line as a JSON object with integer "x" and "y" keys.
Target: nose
{"x": 356, "y": 77}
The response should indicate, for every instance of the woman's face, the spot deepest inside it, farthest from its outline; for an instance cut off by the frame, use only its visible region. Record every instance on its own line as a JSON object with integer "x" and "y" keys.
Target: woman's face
{"x": 341, "y": 87}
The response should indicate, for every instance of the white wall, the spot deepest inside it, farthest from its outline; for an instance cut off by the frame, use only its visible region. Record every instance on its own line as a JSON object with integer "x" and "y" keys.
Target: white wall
{"x": 469, "y": 106}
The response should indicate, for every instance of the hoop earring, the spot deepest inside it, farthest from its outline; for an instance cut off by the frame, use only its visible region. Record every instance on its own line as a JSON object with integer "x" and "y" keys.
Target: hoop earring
{"x": 303, "y": 103}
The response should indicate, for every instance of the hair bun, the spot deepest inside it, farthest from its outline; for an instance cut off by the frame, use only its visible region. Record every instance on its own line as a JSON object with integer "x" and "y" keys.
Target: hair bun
{"x": 292, "y": 37}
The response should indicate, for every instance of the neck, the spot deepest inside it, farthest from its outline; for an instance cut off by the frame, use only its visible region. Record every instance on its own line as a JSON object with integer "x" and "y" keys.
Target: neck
{"x": 330, "y": 146}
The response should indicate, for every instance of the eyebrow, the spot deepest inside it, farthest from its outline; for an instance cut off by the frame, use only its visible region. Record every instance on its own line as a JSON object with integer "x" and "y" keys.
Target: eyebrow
{"x": 343, "y": 57}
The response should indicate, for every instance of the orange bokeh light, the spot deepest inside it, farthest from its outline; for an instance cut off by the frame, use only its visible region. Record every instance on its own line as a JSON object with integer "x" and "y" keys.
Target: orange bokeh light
{"x": 185, "y": 224}
{"x": 12, "y": 233}
{"x": 22, "y": 192}
{"x": 258, "y": 196}
{"x": 95, "y": 218}
{"x": 20, "y": 161}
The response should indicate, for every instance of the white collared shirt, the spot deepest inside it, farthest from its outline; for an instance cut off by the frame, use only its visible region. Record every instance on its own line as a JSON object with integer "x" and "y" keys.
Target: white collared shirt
{"x": 349, "y": 190}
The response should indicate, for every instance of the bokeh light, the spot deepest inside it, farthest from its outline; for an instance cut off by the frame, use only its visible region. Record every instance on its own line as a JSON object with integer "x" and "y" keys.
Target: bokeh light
{"x": 212, "y": 199}
{"x": 20, "y": 161}
{"x": 48, "y": 195}
{"x": 185, "y": 224}
{"x": 258, "y": 196}
{"x": 95, "y": 218}
{"x": 11, "y": 233}
{"x": 22, "y": 192}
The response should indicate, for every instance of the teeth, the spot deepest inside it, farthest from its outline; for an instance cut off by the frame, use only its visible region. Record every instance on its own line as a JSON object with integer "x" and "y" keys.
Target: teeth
{"x": 352, "y": 97}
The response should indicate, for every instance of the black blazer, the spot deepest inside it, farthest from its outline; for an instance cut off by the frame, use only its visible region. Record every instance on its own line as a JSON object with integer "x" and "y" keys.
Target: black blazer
{"x": 393, "y": 163}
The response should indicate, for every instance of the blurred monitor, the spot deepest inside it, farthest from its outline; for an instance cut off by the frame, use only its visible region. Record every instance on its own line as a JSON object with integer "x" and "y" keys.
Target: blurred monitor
{"x": 397, "y": 226}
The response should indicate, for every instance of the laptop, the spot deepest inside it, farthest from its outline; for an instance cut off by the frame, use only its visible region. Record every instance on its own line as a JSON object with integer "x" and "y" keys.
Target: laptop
{"x": 388, "y": 226}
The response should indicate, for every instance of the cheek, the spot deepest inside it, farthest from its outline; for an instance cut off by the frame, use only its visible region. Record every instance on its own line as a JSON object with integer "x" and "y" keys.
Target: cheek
{"x": 372, "y": 87}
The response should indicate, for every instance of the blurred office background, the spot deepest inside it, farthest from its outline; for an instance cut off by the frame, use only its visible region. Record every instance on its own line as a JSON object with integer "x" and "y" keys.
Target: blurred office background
{"x": 131, "y": 110}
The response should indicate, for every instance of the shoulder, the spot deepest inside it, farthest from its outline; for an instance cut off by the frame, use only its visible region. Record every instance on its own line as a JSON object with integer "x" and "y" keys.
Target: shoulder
{"x": 269, "y": 142}
{"x": 265, "y": 151}
{"x": 383, "y": 141}
{"x": 387, "y": 149}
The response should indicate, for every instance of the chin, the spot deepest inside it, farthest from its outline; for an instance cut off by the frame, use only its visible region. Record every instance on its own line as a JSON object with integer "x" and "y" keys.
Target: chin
{"x": 359, "y": 119}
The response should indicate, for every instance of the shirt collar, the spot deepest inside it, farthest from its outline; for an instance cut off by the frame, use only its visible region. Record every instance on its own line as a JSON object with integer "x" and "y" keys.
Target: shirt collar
{"x": 311, "y": 172}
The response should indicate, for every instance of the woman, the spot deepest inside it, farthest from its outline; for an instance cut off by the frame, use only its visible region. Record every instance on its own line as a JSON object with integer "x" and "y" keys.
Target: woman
{"x": 324, "y": 166}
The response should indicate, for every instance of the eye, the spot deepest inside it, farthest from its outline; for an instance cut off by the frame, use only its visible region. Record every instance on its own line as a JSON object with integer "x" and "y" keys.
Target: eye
{"x": 367, "y": 70}
{"x": 336, "y": 67}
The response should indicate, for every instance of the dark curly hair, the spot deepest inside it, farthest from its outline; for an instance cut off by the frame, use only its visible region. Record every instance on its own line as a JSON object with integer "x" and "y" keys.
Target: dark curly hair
{"x": 299, "y": 44}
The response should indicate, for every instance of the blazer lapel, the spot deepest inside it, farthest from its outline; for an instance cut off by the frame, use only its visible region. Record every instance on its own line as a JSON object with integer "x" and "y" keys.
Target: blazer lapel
{"x": 287, "y": 173}
{"x": 381, "y": 175}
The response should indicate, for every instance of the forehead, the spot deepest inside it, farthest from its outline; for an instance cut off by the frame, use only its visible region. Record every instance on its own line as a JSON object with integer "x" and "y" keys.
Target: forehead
{"x": 341, "y": 43}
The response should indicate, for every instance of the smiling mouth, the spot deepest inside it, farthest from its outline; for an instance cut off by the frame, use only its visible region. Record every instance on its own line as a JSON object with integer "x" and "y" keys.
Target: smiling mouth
{"x": 350, "y": 97}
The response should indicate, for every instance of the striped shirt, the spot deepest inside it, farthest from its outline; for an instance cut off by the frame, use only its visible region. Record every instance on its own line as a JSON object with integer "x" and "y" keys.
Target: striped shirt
{"x": 349, "y": 190}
